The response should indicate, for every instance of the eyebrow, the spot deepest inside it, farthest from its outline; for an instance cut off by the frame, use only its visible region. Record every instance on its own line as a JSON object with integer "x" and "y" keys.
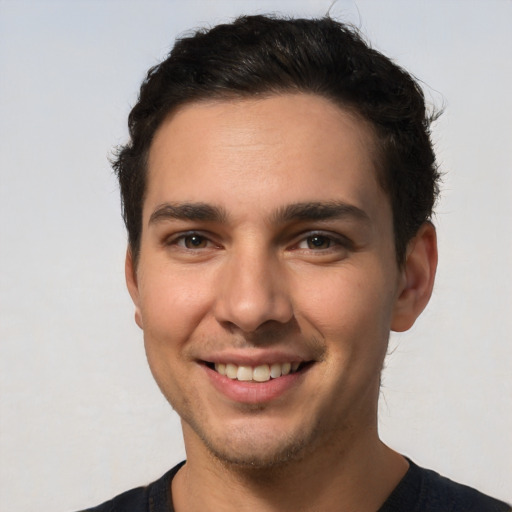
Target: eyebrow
{"x": 319, "y": 211}
{"x": 307, "y": 211}
{"x": 188, "y": 211}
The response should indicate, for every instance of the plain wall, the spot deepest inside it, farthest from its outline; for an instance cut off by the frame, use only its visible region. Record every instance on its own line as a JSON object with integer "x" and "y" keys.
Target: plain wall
{"x": 80, "y": 416}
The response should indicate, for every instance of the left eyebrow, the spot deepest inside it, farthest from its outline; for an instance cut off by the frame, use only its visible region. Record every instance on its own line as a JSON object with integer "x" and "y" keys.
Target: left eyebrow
{"x": 319, "y": 211}
{"x": 187, "y": 211}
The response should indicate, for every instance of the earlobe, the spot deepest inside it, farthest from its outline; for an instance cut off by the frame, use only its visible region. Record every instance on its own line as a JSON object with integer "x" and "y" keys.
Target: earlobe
{"x": 418, "y": 276}
{"x": 132, "y": 284}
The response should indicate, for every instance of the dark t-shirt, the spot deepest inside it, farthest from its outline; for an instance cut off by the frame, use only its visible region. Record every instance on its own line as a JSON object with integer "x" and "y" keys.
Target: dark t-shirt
{"x": 420, "y": 490}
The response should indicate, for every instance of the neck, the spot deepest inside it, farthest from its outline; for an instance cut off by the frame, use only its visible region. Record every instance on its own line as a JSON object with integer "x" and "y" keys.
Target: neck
{"x": 356, "y": 473}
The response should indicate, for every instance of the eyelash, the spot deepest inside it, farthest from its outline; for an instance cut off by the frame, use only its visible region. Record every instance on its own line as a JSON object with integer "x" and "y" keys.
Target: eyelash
{"x": 182, "y": 237}
{"x": 333, "y": 240}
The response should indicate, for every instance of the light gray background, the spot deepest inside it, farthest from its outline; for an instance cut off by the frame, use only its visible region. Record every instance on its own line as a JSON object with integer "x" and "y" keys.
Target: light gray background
{"x": 81, "y": 418}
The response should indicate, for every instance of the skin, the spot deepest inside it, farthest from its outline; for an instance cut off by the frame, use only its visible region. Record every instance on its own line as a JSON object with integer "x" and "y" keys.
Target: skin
{"x": 247, "y": 274}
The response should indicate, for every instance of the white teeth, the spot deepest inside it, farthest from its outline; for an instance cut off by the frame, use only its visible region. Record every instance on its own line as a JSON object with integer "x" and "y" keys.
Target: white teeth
{"x": 261, "y": 373}
{"x": 221, "y": 368}
{"x": 244, "y": 373}
{"x": 275, "y": 370}
{"x": 231, "y": 371}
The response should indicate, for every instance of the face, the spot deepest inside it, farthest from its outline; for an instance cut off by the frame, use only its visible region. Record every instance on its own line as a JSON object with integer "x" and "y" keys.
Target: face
{"x": 267, "y": 282}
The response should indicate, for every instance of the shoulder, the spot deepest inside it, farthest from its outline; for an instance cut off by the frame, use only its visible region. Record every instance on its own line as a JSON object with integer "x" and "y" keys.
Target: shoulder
{"x": 134, "y": 500}
{"x": 423, "y": 490}
{"x": 443, "y": 492}
{"x": 155, "y": 497}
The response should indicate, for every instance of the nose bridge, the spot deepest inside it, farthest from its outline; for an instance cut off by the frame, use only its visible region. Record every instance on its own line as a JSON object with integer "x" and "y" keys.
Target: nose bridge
{"x": 253, "y": 289}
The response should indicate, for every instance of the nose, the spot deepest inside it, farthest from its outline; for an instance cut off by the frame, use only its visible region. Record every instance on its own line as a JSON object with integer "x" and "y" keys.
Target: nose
{"x": 253, "y": 291}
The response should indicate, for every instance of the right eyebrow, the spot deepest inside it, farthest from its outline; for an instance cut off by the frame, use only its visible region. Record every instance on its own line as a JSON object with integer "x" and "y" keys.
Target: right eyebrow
{"x": 319, "y": 211}
{"x": 187, "y": 211}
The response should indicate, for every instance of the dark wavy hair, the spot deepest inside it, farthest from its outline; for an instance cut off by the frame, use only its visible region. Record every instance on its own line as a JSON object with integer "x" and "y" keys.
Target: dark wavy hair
{"x": 262, "y": 55}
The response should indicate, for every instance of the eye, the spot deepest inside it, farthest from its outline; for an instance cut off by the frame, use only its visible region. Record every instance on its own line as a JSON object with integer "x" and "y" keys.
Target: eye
{"x": 317, "y": 242}
{"x": 191, "y": 241}
{"x": 194, "y": 241}
{"x": 322, "y": 247}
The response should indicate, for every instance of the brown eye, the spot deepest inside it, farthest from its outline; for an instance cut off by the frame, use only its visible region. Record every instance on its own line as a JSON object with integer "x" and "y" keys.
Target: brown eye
{"x": 195, "y": 242}
{"x": 318, "y": 242}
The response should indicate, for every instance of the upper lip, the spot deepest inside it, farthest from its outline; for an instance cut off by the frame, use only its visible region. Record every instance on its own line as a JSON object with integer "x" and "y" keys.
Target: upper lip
{"x": 253, "y": 357}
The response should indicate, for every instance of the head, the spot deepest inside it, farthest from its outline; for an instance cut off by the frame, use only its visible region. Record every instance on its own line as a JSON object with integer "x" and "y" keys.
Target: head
{"x": 258, "y": 56}
{"x": 277, "y": 172}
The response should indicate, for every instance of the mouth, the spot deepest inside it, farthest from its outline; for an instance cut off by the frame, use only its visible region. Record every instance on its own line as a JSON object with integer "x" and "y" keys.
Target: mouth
{"x": 261, "y": 383}
{"x": 260, "y": 373}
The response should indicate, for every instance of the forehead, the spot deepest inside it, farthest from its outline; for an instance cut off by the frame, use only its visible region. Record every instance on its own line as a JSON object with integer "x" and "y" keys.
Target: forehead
{"x": 261, "y": 153}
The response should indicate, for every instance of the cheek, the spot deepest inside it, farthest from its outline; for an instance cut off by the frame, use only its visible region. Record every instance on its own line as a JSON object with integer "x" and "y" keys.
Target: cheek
{"x": 173, "y": 304}
{"x": 347, "y": 305}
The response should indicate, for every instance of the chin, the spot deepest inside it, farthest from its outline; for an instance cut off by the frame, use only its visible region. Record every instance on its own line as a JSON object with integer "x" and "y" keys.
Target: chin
{"x": 258, "y": 450}
{"x": 250, "y": 460}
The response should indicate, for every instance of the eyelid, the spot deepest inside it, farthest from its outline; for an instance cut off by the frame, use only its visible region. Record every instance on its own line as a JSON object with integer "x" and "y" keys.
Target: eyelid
{"x": 338, "y": 239}
{"x": 175, "y": 238}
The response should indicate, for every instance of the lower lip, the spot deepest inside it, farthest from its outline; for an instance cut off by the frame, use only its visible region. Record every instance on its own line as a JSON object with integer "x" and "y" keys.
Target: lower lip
{"x": 253, "y": 392}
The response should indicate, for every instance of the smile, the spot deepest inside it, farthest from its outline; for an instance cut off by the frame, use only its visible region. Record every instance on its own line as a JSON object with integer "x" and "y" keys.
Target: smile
{"x": 260, "y": 373}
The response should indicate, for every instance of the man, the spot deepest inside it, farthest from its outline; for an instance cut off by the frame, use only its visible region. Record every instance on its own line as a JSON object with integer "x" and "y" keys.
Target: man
{"x": 277, "y": 191}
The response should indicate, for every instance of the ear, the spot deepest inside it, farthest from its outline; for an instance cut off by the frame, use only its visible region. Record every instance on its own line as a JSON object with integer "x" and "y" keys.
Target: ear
{"x": 130, "y": 272}
{"x": 417, "y": 278}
